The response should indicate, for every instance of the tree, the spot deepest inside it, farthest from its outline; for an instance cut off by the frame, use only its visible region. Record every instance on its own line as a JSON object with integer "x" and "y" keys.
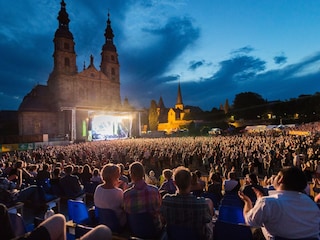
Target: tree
{"x": 226, "y": 106}
{"x": 153, "y": 116}
{"x": 247, "y": 100}
{"x": 248, "y": 105}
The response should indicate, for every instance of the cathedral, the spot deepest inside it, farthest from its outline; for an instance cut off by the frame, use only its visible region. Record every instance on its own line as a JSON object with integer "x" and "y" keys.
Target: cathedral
{"x": 78, "y": 106}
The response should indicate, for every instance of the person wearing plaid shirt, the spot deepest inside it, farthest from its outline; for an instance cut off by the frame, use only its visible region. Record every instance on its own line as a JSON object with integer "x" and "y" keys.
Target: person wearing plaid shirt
{"x": 185, "y": 209}
{"x": 142, "y": 197}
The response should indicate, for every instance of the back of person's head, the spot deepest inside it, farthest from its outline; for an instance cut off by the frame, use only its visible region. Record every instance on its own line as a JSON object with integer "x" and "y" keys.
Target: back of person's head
{"x": 86, "y": 168}
{"x": 68, "y": 169}
{"x": 96, "y": 172}
{"x": 136, "y": 170}
{"x": 110, "y": 172}
{"x": 232, "y": 175}
{"x": 121, "y": 166}
{"x": 45, "y": 167}
{"x": 57, "y": 171}
{"x": 182, "y": 177}
{"x": 198, "y": 173}
{"x": 293, "y": 179}
{"x": 253, "y": 178}
{"x": 167, "y": 173}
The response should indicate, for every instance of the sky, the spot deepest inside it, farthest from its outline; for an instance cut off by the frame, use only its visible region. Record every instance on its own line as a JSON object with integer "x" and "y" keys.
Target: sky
{"x": 215, "y": 49}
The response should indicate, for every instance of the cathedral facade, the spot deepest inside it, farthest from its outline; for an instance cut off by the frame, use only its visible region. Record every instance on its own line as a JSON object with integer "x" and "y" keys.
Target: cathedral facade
{"x": 71, "y": 99}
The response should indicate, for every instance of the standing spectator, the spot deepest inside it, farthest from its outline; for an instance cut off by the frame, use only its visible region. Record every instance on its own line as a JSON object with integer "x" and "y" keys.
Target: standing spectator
{"x": 142, "y": 197}
{"x": 288, "y": 213}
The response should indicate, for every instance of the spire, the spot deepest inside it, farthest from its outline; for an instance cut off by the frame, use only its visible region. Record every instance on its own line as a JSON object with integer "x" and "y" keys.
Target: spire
{"x": 109, "y": 36}
{"x": 179, "y": 97}
{"x": 91, "y": 61}
{"x": 160, "y": 103}
{"x": 63, "y": 18}
{"x": 179, "y": 104}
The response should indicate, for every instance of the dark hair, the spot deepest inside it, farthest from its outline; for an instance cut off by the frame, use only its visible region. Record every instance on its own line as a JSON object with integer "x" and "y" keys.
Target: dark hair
{"x": 254, "y": 179}
{"x": 182, "y": 177}
{"x": 293, "y": 179}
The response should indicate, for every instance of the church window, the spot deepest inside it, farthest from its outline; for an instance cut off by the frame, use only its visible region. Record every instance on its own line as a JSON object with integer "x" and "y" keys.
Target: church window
{"x": 112, "y": 58}
{"x": 113, "y": 72}
{"x": 67, "y": 62}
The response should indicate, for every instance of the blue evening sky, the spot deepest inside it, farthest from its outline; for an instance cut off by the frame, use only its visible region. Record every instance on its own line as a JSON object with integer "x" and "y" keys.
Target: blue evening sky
{"x": 215, "y": 48}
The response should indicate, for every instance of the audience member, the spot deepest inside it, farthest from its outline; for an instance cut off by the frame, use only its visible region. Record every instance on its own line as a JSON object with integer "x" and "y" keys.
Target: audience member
{"x": 70, "y": 184}
{"x": 168, "y": 185}
{"x": 53, "y": 228}
{"x": 108, "y": 195}
{"x": 252, "y": 181}
{"x": 142, "y": 197}
{"x": 288, "y": 212}
{"x": 185, "y": 209}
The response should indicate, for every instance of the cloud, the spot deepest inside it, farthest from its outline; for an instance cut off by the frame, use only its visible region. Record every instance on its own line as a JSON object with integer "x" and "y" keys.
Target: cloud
{"x": 196, "y": 64}
{"x": 243, "y": 50}
{"x": 281, "y": 59}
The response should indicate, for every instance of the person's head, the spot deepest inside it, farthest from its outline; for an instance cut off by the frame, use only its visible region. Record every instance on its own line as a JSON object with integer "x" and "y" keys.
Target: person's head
{"x": 151, "y": 173}
{"x": 45, "y": 167}
{"x": 136, "y": 171}
{"x": 96, "y": 172}
{"x": 167, "y": 173}
{"x": 252, "y": 179}
{"x": 291, "y": 179}
{"x": 121, "y": 166}
{"x": 232, "y": 175}
{"x": 110, "y": 173}
{"x": 182, "y": 178}
{"x": 68, "y": 169}
{"x": 56, "y": 172}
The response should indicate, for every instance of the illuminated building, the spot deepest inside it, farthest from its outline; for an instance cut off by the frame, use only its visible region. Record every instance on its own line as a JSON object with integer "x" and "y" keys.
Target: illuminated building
{"x": 76, "y": 105}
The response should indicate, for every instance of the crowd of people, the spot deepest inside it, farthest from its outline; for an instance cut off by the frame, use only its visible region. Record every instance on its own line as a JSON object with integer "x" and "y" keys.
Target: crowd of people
{"x": 156, "y": 175}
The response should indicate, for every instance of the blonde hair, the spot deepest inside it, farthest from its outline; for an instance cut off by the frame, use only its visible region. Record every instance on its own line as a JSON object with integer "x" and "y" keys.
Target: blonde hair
{"x": 110, "y": 172}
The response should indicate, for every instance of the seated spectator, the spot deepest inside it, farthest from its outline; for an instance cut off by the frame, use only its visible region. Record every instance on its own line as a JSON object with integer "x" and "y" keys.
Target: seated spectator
{"x": 43, "y": 173}
{"x": 123, "y": 179}
{"x": 196, "y": 186}
{"x": 185, "y": 209}
{"x": 96, "y": 176}
{"x": 142, "y": 197}
{"x": 215, "y": 185}
{"x": 53, "y": 228}
{"x": 151, "y": 179}
{"x": 70, "y": 184}
{"x": 86, "y": 174}
{"x": 288, "y": 212}
{"x": 168, "y": 185}
{"x": 108, "y": 195}
{"x": 251, "y": 181}
{"x": 232, "y": 184}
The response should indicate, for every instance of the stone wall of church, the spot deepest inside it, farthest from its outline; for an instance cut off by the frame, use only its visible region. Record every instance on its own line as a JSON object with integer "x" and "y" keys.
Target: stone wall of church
{"x": 31, "y": 123}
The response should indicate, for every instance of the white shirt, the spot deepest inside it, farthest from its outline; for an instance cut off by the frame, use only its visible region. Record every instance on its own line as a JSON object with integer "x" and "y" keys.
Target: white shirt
{"x": 286, "y": 214}
{"x": 112, "y": 199}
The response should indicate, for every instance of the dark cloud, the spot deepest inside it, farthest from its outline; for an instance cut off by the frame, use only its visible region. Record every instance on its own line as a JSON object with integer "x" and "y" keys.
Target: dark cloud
{"x": 196, "y": 64}
{"x": 243, "y": 50}
{"x": 280, "y": 59}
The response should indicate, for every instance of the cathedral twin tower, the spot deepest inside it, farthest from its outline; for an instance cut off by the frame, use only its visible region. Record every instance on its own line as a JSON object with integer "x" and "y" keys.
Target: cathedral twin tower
{"x": 61, "y": 107}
